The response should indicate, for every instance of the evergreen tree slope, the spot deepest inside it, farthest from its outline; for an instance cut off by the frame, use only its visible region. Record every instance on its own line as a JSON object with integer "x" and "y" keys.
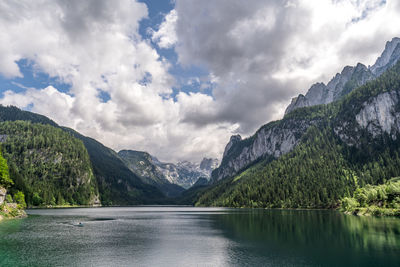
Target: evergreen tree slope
{"x": 118, "y": 185}
{"x": 47, "y": 164}
{"x": 355, "y": 142}
{"x": 12, "y": 113}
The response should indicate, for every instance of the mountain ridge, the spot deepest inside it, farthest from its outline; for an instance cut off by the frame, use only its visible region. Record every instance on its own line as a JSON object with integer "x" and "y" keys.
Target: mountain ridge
{"x": 142, "y": 165}
{"x": 268, "y": 140}
{"x": 117, "y": 185}
{"x": 349, "y": 79}
{"x": 185, "y": 173}
{"x": 354, "y": 142}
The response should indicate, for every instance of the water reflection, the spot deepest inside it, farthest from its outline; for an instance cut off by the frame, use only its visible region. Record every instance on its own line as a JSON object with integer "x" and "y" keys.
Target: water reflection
{"x": 177, "y": 236}
{"x": 314, "y": 237}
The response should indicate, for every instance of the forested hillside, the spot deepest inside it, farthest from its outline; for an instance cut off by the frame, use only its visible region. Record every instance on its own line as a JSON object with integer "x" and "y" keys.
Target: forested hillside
{"x": 47, "y": 164}
{"x": 114, "y": 182}
{"x": 118, "y": 185}
{"x": 356, "y": 142}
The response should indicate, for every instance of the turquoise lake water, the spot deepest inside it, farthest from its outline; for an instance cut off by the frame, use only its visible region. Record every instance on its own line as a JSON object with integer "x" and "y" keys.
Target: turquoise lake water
{"x": 186, "y": 236}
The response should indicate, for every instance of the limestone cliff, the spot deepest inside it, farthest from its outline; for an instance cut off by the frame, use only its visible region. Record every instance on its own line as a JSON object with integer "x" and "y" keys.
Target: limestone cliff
{"x": 349, "y": 79}
{"x": 271, "y": 141}
{"x": 378, "y": 114}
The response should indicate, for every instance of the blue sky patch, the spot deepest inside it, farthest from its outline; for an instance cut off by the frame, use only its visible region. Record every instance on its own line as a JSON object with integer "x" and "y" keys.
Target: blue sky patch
{"x": 32, "y": 78}
{"x": 185, "y": 76}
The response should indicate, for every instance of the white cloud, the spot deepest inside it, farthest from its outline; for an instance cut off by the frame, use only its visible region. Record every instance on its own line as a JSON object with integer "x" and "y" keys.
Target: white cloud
{"x": 165, "y": 36}
{"x": 258, "y": 53}
{"x": 45, "y": 100}
{"x": 95, "y": 45}
{"x": 264, "y": 52}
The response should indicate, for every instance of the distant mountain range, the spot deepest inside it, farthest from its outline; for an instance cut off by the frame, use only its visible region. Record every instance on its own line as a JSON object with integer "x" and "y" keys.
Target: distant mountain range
{"x": 183, "y": 174}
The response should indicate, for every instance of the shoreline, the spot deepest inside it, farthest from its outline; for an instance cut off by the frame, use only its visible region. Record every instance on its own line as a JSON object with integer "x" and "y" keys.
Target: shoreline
{"x": 22, "y": 214}
{"x": 373, "y": 211}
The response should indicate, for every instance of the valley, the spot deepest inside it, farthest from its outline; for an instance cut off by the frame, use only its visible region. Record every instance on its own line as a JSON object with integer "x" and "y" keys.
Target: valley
{"x": 316, "y": 156}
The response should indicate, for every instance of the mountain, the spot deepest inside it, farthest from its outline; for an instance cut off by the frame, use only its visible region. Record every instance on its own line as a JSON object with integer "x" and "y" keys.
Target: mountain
{"x": 349, "y": 79}
{"x": 278, "y": 138}
{"x": 201, "y": 182}
{"x": 118, "y": 185}
{"x": 389, "y": 57}
{"x": 113, "y": 182}
{"x": 47, "y": 164}
{"x": 207, "y": 165}
{"x": 192, "y": 194}
{"x": 185, "y": 173}
{"x": 315, "y": 155}
{"x": 270, "y": 141}
{"x": 141, "y": 163}
{"x": 12, "y": 113}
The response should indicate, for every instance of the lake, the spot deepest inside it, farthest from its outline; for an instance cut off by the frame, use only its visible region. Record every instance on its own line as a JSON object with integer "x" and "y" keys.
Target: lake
{"x": 187, "y": 236}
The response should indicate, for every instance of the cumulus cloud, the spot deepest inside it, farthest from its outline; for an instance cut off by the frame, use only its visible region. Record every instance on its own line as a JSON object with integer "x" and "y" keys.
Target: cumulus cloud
{"x": 258, "y": 54}
{"x": 165, "y": 36}
{"x": 265, "y": 52}
{"x": 94, "y": 46}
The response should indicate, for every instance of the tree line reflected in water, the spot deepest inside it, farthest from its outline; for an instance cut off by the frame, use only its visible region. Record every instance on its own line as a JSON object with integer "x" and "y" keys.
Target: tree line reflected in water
{"x": 313, "y": 237}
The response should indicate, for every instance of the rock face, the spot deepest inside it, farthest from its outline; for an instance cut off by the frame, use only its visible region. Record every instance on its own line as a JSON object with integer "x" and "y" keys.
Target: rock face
{"x": 186, "y": 173}
{"x": 272, "y": 140}
{"x": 278, "y": 138}
{"x": 389, "y": 57}
{"x": 234, "y": 140}
{"x": 207, "y": 165}
{"x": 3, "y": 193}
{"x": 168, "y": 177}
{"x": 141, "y": 163}
{"x": 349, "y": 79}
{"x": 379, "y": 115}
{"x": 342, "y": 84}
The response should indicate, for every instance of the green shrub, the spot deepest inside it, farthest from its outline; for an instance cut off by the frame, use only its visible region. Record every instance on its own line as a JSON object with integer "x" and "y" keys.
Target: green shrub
{"x": 5, "y": 179}
{"x": 36, "y": 199}
{"x": 349, "y": 204}
{"x": 9, "y": 198}
{"x": 20, "y": 199}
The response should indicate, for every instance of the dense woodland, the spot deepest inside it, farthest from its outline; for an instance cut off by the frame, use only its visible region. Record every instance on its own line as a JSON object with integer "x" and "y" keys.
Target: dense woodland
{"x": 113, "y": 182}
{"x": 47, "y": 164}
{"x": 117, "y": 184}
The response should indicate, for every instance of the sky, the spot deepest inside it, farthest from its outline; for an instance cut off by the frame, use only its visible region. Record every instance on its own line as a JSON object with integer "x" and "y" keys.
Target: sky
{"x": 178, "y": 78}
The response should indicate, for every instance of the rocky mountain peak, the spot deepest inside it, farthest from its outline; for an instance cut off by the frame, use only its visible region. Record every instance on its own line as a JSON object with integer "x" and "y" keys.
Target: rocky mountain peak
{"x": 275, "y": 139}
{"x": 360, "y": 66}
{"x": 386, "y": 57}
{"x": 314, "y": 94}
{"x": 348, "y": 79}
{"x": 233, "y": 140}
